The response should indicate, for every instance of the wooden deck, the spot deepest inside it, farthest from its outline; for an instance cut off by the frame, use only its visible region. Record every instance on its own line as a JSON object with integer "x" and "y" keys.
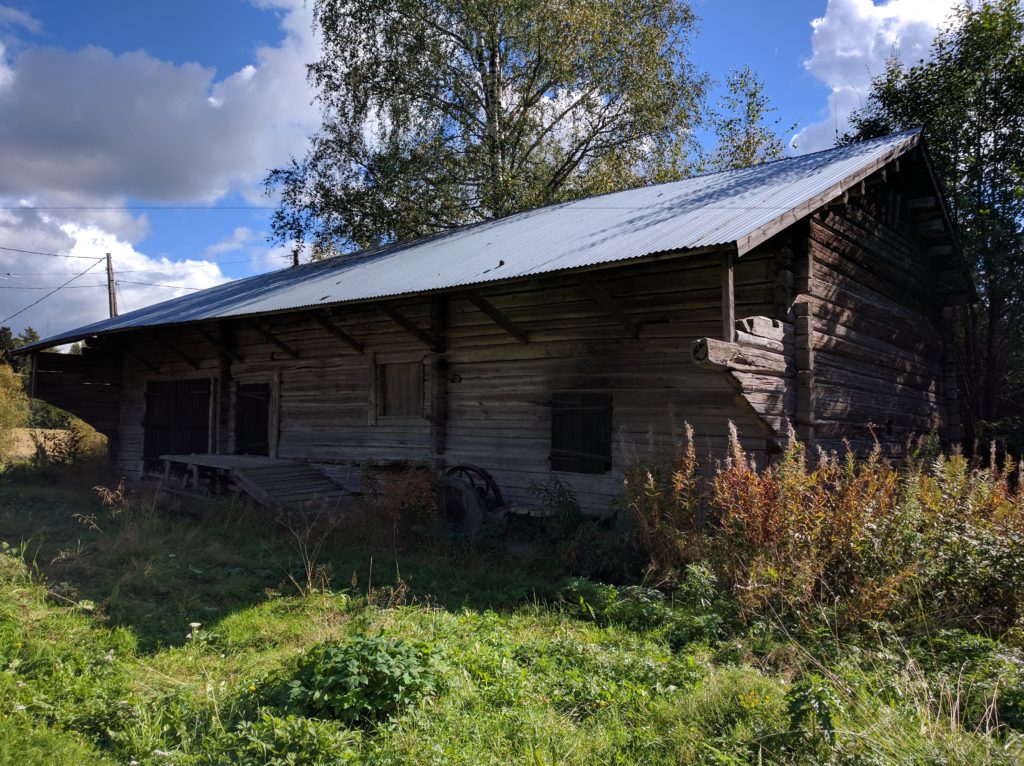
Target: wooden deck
{"x": 271, "y": 482}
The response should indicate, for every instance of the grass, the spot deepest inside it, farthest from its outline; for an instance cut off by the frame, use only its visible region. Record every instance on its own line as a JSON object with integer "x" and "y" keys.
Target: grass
{"x": 99, "y": 662}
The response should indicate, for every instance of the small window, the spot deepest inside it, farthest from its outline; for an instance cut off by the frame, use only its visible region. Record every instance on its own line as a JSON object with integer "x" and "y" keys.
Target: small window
{"x": 400, "y": 389}
{"x": 581, "y": 432}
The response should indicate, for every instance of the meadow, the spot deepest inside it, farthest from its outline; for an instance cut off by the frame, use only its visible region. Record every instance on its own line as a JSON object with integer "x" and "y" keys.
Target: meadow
{"x": 840, "y": 612}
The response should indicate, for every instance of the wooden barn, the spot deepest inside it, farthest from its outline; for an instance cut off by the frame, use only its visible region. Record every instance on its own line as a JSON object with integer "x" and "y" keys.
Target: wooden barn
{"x": 815, "y": 291}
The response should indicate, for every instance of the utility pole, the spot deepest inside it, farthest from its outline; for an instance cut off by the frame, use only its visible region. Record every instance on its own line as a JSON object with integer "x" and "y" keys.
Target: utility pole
{"x": 111, "y": 294}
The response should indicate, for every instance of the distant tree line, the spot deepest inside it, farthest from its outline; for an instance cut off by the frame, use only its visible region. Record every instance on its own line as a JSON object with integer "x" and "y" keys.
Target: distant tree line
{"x": 16, "y": 369}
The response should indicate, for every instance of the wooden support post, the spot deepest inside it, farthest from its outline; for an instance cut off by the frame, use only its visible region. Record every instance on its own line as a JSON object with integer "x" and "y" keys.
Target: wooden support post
{"x": 439, "y": 408}
{"x": 220, "y": 345}
{"x": 174, "y": 349}
{"x": 439, "y": 324}
{"x": 728, "y": 299}
{"x": 497, "y": 316}
{"x": 274, "y": 416}
{"x": 406, "y": 324}
{"x": 271, "y": 338}
{"x": 608, "y": 303}
{"x": 338, "y": 333}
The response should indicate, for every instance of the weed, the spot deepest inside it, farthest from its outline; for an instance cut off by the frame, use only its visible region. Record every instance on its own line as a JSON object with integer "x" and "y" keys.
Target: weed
{"x": 364, "y": 679}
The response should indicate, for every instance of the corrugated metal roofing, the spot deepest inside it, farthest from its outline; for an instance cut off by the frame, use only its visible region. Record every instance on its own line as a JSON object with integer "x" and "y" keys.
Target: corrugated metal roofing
{"x": 736, "y": 206}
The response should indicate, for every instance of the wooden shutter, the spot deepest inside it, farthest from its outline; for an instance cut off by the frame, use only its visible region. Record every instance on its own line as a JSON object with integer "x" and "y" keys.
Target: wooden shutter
{"x": 581, "y": 432}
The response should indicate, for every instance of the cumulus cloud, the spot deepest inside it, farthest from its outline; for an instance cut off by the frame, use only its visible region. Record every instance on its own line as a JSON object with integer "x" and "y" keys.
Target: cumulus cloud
{"x": 83, "y": 132}
{"x": 850, "y": 45}
{"x": 89, "y": 121}
{"x": 27, "y": 276}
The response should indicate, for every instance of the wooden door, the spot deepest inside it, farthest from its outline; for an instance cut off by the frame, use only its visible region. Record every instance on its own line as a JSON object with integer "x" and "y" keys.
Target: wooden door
{"x": 252, "y": 419}
{"x": 177, "y": 418}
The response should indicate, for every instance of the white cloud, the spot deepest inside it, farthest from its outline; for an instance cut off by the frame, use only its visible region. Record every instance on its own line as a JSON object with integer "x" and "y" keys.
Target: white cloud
{"x": 12, "y": 17}
{"x": 238, "y": 239}
{"x": 850, "y": 44}
{"x": 91, "y": 129}
{"x": 25, "y": 277}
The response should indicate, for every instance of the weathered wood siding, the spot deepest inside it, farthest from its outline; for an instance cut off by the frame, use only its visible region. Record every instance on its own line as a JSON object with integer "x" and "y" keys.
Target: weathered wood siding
{"x": 879, "y": 356}
{"x": 496, "y": 389}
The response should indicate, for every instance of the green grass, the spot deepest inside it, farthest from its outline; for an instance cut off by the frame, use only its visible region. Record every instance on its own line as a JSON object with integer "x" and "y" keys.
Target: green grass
{"x": 99, "y": 664}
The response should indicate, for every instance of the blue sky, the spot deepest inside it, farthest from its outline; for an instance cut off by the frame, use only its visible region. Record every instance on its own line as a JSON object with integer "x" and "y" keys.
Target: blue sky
{"x": 113, "y": 111}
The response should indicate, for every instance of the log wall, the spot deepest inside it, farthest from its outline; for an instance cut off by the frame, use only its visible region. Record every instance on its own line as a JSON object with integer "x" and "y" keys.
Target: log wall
{"x": 487, "y": 394}
{"x": 879, "y": 362}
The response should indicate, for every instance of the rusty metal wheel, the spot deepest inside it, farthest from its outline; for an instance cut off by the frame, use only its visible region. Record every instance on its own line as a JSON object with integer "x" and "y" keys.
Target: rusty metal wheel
{"x": 482, "y": 483}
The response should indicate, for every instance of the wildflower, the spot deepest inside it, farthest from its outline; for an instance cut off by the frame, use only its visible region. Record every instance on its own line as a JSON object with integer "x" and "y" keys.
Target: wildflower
{"x": 252, "y": 687}
{"x": 195, "y": 625}
{"x": 19, "y": 708}
{"x": 18, "y": 644}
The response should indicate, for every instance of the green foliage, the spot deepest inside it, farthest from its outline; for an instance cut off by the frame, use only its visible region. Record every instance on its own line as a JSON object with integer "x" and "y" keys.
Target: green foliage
{"x": 696, "y": 615}
{"x": 966, "y": 95}
{"x": 559, "y": 499}
{"x": 744, "y": 131}
{"x": 282, "y": 741}
{"x": 813, "y": 707}
{"x": 365, "y": 679}
{"x": 597, "y": 676}
{"x": 442, "y": 114}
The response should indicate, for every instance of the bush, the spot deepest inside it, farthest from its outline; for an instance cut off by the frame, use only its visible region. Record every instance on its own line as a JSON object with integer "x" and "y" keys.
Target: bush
{"x": 365, "y": 679}
{"x": 283, "y": 741}
{"x": 14, "y": 408}
{"x": 940, "y": 539}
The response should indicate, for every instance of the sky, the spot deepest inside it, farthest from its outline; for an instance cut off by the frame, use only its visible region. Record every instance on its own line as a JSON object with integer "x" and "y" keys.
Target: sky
{"x": 145, "y": 129}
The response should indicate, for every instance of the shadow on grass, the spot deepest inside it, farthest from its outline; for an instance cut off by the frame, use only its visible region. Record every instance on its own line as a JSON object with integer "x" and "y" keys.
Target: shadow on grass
{"x": 155, "y": 567}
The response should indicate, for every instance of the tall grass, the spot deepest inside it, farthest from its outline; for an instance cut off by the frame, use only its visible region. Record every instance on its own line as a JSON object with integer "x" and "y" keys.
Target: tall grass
{"x": 934, "y": 539}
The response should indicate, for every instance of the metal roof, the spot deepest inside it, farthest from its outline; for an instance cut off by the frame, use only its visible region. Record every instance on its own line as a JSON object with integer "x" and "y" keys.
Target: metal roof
{"x": 741, "y": 207}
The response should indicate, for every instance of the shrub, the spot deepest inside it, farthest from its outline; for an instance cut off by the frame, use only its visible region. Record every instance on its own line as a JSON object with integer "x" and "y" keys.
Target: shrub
{"x": 364, "y": 679}
{"x": 283, "y": 741}
{"x": 13, "y": 407}
{"x": 935, "y": 539}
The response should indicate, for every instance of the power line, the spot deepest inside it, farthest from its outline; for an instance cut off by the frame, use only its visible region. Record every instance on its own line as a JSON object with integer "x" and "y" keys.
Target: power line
{"x": 48, "y": 287}
{"x": 279, "y": 257}
{"x": 36, "y": 252}
{"x": 82, "y": 274}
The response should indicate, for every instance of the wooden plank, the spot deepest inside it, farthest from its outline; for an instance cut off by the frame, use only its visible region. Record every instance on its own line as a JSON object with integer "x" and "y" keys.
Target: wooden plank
{"x": 338, "y": 333}
{"x": 134, "y": 355}
{"x": 174, "y": 349}
{"x": 499, "y": 318}
{"x": 608, "y": 303}
{"x": 728, "y": 298}
{"x": 222, "y": 347}
{"x": 406, "y": 324}
{"x": 271, "y": 338}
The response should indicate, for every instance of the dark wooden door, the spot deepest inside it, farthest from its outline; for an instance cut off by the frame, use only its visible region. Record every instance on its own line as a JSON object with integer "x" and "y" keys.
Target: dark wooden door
{"x": 252, "y": 419}
{"x": 177, "y": 418}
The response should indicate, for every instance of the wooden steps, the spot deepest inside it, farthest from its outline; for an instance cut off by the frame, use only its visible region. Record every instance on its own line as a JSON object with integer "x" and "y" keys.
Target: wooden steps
{"x": 271, "y": 482}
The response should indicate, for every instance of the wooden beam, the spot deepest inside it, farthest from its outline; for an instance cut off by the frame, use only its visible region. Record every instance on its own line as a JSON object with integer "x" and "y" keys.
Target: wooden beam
{"x": 497, "y": 316}
{"x": 338, "y": 333}
{"x": 271, "y": 338}
{"x": 406, "y": 324}
{"x": 608, "y": 303}
{"x": 224, "y": 348}
{"x": 174, "y": 349}
{"x": 728, "y": 299}
{"x": 137, "y": 357}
